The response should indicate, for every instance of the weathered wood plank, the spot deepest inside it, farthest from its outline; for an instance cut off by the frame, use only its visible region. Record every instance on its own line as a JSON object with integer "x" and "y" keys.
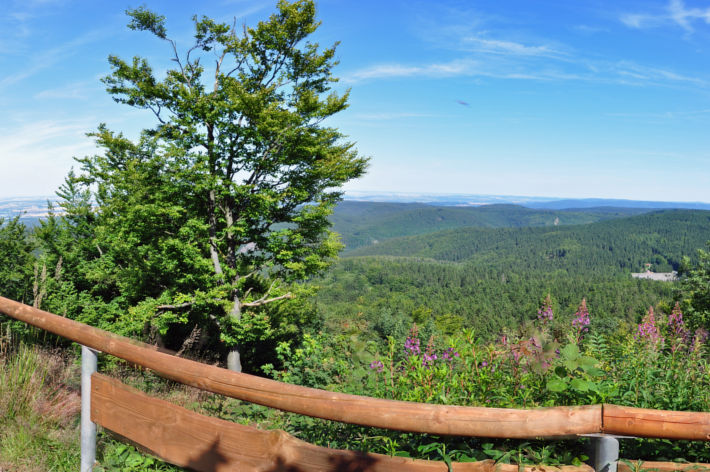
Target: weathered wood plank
{"x": 397, "y": 415}
{"x": 641, "y": 422}
{"x": 188, "y": 439}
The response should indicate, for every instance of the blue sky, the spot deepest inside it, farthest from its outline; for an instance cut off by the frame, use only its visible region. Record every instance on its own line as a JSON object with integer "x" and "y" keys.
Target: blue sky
{"x": 546, "y": 98}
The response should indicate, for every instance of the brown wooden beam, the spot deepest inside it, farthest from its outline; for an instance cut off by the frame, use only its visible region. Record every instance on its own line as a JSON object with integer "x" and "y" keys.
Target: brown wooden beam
{"x": 353, "y": 409}
{"x": 202, "y": 443}
{"x": 641, "y": 422}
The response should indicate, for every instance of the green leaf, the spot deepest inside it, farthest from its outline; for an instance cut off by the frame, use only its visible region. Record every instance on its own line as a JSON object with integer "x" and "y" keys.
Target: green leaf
{"x": 579, "y": 385}
{"x": 556, "y": 385}
{"x": 570, "y": 351}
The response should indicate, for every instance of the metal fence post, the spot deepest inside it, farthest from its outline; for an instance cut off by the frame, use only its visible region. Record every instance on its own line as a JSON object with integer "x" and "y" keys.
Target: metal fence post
{"x": 606, "y": 453}
{"x": 88, "y": 429}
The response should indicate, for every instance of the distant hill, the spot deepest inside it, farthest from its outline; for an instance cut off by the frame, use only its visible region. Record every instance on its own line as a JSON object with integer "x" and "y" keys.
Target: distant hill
{"x": 493, "y": 279}
{"x": 603, "y": 202}
{"x": 530, "y": 202}
{"x": 625, "y": 244}
{"x": 30, "y": 209}
{"x": 365, "y": 223}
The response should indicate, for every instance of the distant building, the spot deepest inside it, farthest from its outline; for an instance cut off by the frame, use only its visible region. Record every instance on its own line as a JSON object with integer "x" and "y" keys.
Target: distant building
{"x": 660, "y": 276}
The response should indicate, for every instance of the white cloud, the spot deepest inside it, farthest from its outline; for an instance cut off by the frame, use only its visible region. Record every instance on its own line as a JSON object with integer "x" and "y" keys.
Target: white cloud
{"x": 36, "y": 156}
{"x": 74, "y": 91}
{"x": 568, "y": 68}
{"x": 383, "y": 116}
{"x": 498, "y": 46}
{"x": 51, "y": 57}
{"x": 384, "y": 71}
{"x": 675, "y": 12}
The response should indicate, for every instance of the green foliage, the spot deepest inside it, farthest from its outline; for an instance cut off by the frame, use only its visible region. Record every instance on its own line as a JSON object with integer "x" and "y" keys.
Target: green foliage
{"x": 391, "y": 293}
{"x": 117, "y": 457}
{"x": 542, "y": 364}
{"x": 16, "y": 260}
{"x": 695, "y": 290}
{"x": 38, "y": 411}
{"x": 661, "y": 238}
{"x": 199, "y": 231}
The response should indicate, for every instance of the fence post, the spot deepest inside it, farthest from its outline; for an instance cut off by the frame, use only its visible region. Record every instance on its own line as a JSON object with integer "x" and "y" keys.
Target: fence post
{"x": 606, "y": 453}
{"x": 88, "y": 428}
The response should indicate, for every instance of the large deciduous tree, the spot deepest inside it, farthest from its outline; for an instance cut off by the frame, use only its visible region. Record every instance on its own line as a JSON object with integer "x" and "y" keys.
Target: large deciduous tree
{"x": 213, "y": 215}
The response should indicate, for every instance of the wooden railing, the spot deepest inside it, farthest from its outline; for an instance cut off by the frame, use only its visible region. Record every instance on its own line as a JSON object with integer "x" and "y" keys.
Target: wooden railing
{"x": 202, "y": 443}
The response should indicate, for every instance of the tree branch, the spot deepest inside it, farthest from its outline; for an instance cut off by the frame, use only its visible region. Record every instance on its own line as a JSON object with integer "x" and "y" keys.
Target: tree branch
{"x": 264, "y": 301}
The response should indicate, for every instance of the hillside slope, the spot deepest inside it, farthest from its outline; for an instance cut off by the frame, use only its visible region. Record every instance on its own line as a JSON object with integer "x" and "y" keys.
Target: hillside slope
{"x": 661, "y": 238}
{"x": 364, "y": 223}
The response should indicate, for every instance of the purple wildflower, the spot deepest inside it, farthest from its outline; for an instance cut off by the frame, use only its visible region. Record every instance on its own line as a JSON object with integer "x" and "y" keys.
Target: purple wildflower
{"x": 449, "y": 354}
{"x": 428, "y": 359}
{"x": 544, "y": 314}
{"x": 675, "y": 321}
{"x": 377, "y": 365}
{"x": 581, "y": 320}
{"x": 647, "y": 329}
{"x": 411, "y": 345}
{"x": 429, "y": 355}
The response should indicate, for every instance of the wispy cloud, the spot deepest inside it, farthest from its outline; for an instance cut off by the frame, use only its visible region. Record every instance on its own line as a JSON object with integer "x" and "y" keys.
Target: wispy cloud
{"x": 384, "y": 116}
{"x": 567, "y": 69}
{"x": 35, "y": 156}
{"x": 73, "y": 91}
{"x": 383, "y": 71}
{"x": 665, "y": 115}
{"x": 675, "y": 12}
{"x": 478, "y": 50}
{"x": 51, "y": 57}
{"x": 589, "y": 29}
{"x": 500, "y": 46}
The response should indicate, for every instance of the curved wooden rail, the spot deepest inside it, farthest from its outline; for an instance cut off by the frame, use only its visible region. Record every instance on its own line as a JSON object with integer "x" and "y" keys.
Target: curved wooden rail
{"x": 375, "y": 412}
{"x": 201, "y": 443}
{"x": 365, "y": 411}
{"x": 641, "y": 422}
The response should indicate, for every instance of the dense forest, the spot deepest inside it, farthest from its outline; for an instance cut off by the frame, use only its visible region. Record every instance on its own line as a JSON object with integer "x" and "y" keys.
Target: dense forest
{"x": 492, "y": 279}
{"x": 365, "y": 223}
{"x": 660, "y": 238}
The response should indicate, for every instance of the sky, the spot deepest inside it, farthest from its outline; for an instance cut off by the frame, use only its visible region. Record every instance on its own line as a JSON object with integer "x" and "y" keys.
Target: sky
{"x": 579, "y": 99}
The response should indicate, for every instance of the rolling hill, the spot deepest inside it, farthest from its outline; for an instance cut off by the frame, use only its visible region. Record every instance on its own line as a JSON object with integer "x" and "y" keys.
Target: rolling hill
{"x": 365, "y": 223}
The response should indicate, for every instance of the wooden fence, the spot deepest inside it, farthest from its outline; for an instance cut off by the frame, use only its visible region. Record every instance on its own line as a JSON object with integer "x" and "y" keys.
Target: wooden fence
{"x": 207, "y": 444}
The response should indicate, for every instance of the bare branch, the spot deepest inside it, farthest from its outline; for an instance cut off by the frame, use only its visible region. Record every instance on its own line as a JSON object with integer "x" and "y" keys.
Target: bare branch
{"x": 263, "y": 301}
{"x": 175, "y": 307}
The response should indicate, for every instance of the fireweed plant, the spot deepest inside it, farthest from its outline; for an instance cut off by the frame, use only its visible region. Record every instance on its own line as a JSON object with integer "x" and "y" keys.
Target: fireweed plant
{"x": 554, "y": 360}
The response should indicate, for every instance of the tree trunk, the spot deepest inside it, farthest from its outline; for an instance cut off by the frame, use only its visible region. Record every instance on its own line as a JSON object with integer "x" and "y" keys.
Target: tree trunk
{"x": 234, "y": 358}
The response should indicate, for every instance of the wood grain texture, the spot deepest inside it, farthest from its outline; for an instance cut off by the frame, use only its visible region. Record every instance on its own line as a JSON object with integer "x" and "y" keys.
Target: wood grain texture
{"x": 366, "y": 411}
{"x": 188, "y": 439}
{"x": 650, "y": 466}
{"x": 641, "y": 422}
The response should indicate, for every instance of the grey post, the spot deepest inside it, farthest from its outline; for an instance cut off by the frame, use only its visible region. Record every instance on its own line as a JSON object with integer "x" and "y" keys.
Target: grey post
{"x": 88, "y": 429}
{"x": 606, "y": 453}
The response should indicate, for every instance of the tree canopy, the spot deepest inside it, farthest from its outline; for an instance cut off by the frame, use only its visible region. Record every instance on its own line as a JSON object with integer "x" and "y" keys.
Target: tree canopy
{"x": 209, "y": 219}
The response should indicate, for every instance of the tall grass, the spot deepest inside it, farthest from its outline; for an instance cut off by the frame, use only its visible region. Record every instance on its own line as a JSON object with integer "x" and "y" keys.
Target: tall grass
{"x": 39, "y": 407}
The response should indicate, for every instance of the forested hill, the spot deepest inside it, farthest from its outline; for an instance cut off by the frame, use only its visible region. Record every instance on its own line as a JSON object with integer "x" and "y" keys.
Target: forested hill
{"x": 661, "y": 238}
{"x": 364, "y": 223}
{"x": 490, "y": 279}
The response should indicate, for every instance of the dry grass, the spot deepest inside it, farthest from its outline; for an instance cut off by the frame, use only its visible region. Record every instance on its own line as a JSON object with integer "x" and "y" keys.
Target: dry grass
{"x": 39, "y": 409}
